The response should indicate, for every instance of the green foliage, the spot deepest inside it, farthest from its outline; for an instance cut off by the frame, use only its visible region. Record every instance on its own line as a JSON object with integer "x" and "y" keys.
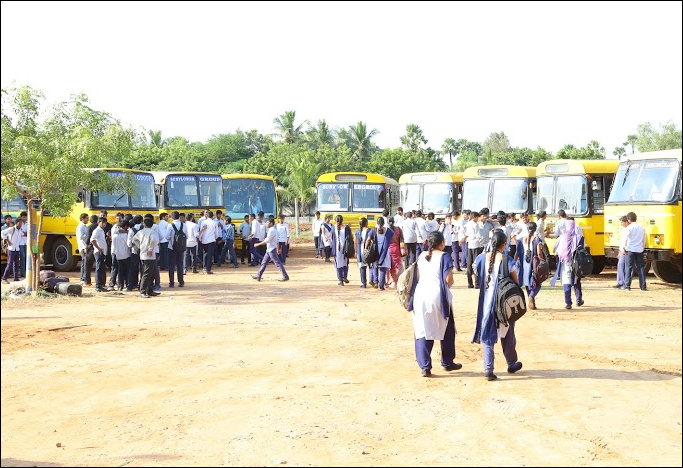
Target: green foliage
{"x": 414, "y": 138}
{"x": 649, "y": 139}
{"x": 360, "y": 141}
{"x": 591, "y": 151}
{"x": 274, "y": 163}
{"x": 521, "y": 157}
{"x": 450, "y": 148}
{"x": 302, "y": 173}
{"x": 287, "y": 129}
{"x": 619, "y": 151}
{"x": 497, "y": 142}
{"x": 631, "y": 141}
{"x": 395, "y": 162}
{"x": 468, "y": 158}
{"x": 320, "y": 135}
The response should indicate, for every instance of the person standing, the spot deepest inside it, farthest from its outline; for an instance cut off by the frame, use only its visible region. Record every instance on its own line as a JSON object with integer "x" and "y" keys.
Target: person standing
{"x": 396, "y": 251}
{"x": 528, "y": 248}
{"x": 207, "y": 237}
{"x": 409, "y": 229}
{"x": 229, "y": 243}
{"x": 326, "y": 237}
{"x": 565, "y": 247}
{"x": 145, "y": 241}
{"x": 317, "y": 224}
{"x": 487, "y": 329}
{"x": 475, "y": 246}
{"x": 621, "y": 264}
{"x": 633, "y": 249}
{"x": 176, "y": 258}
{"x": 398, "y": 217}
{"x": 361, "y": 236}
{"x": 339, "y": 234}
{"x": 191, "y": 259}
{"x": 245, "y": 231}
{"x": 382, "y": 237}
{"x": 258, "y": 232}
{"x": 134, "y": 264}
{"x": 22, "y": 242}
{"x": 99, "y": 243}
{"x": 162, "y": 227}
{"x": 13, "y": 237}
{"x": 283, "y": 238}
{"x": 432, "y": 306}
{"x": 272, "y": 252}
{"x": 120, "y": 255}
{"x": 82, "y": 240}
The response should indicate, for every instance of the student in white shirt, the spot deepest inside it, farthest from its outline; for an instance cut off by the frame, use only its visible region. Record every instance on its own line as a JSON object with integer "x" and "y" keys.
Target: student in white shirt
{"x": 475, "y": 246}
{"x": 409, "y": 229}
{"x": 634, "y": 247}
{"x": 99, "y": 243}
{"x": 191, "y": 259}
{"x": 317, "y": 224}
{"x": 257, "y": 234}
{"x": 245, "y": 231}
{"x": 134, "y": 261}
{"x": 398, "y": 217}
{"x": 162, "y": 227}
{"x": 13, "y": 237}
{"x": 146, "y": 241}
{"x": 82, "y": 240}
{"x": 176, "y": 259}
{"x": 120, "y": 255}
{"x": 207, "y": 236}
{"x": 283, "y": 238}
{"x": 272, "y": 252}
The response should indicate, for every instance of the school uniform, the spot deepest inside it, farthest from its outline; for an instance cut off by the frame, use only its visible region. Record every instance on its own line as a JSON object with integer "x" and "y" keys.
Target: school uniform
{"x": 475, "y": 246}
{"x": 383, "y": 263}
{"x": 526, "y": 273}
{"x": 134, "y": 264}
{"x": 82, "y": 240}
{"x": 361, "y": 237}
{"x": 207, "y": 237}
{"x": 271, "y": 255}
{"x": 191, "y": 256}
{"x": 257, "y": 235}
{"x": 13, "y": 234}
{"x": 326, "y": 239}
{"x": 175, "y": 259}
{"x": 283, "y": 240}
{"x": 564, "y": 269}
{"x": 317, "y": 224}
{"x": 341, "y": 263}
{"x": 245, "y": 232}
{"x": 409, "y": 228}
{"x": 120, "y": 258}
{"x": 229, "y": 245}
{"x": 635, "y": 247}
{"x": 146, "y": 241}
{"x": 163, "y": 227}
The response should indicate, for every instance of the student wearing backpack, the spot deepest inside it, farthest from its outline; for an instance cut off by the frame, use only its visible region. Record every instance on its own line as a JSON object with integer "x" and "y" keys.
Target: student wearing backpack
{"x": 527, "y": 248}
{"x": 361, "y": 236}
{"x": 432, "y": 306}
{"x": 176, "y": 236}
{"x": 565, "y": 248}
{"x": 382, "y": 236}
{"x": 488, "y": 329}
{"x": 339, "y": 234}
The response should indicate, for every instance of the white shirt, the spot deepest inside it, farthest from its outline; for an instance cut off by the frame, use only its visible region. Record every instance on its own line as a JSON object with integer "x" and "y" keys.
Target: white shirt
{"x": 192, "y": 233}
{"x": 635, "y": 238}
{"x": 271, "y": 238}
{"x": 445, "y": 229}
{"x": 317, "y": 224}
{"x": 430, "y": 226}
{"x": 207, "y": 232}
{"x": 163, "y": 227}
{"x": 98, "y": 235}
{"x": 474, "y": 239}
{"x": 245, "y": 229}
{"x": 24, "y": 231}
{"x": 14, "y": 236}
{"x": 421, "y": 231}
{"x": 282, "y": 232}
{"x": 119, "y": 243}
{"x": 540, "y": 229}
{"x": 146, "y": 240}
{"x": 398, "y": 219}
{"x": 82, "y": 236}
{"x": 409, "y": 228}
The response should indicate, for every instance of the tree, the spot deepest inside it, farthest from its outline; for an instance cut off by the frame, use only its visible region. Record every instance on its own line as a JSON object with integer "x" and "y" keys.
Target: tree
{"x": 497, "y": 142}
{"x": 521, "y": 157}
{"x": 395, "y": 162}
{"x": 287, "y": 129}
{"x": 413, "y": 138}
{"x": 591, "y": 151}
{"x": 361, "y": 143}
{"x": 649, "y": 139}
{"x": 275, "y": 162}
{"x": 43, "y": 159}
{"x": 320, "y": 135}
{"x": 631, "y": 140}
{"x": 155, "y": 138}
{"x": 451, "y": 148}
{"x": 302, "y": 174}
{"x": 619, "y": 151}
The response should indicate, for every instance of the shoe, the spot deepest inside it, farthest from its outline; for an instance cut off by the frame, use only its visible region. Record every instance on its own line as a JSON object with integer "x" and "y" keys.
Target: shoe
{"x": 341, "y": 283}
{"x": 346, "y": 281}
{"x": 490, "y": 376}
{"x": 154, "y": 294}
{"x": 452, "y": 367}
{"x": 146, "y": 296}
{"x": 426, "y": 373}
{"x": 99, "y": 290}
{"x": 532, "y": 303}
{"x": 194, "y": 270}
{"x": 626, "y": 288}
{"x": 156, "y": 288}
{"x": 208, "y": 272}
{"x": 256, "y": 277}
{"x": 470, "y": 286}
{"x": 185, "y": 271}
{"x": 381, "y": 288}
{"x": 120, "y": 288}
{"x": 568, "y": 306}
{"x": 458, "y": 269}
{"x": 328, "y": 260}
{"x": 363, "y": 286}
{"x": 181, "y": 285}
{"x": 579, "y": 304}
{"x": 235, "y": 265}
{"x": 284, "y": 278}
{"x": 643, "y": 289}
{"x": 170, "y": 285}
{"x": 618, "y": 286}
{"x": 515, "y": 367}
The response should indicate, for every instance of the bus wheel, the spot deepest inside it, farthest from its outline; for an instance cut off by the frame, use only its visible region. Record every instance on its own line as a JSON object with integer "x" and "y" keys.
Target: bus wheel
{"x": 667, "y": 272}
{"x": 60, "y": 255}
{"x": 598, "y": 265}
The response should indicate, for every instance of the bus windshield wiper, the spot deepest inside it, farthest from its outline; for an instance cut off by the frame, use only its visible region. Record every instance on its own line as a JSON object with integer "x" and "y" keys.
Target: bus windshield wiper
{"x": 118, "y": 200}
{"x": 628, "y": 170}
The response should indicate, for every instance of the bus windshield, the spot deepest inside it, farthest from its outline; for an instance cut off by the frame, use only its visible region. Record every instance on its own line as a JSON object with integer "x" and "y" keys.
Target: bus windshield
{"x": 645, "y": 181}
{"x": 368, "y": 197}
{"x": 571, "y": 195}
{"x": 437, "y": 198}
{"x": 410, "y": 196}
{"x": 510, "y": 195}
{"x": 210, "y": 190}
{"x": 244, "y": 196}
{"x": 181, "y": 191}
{"x": 333, "y": 197}
{"x": 476, "y": 194}
{"x": 143, "y": 193}
{"x": 545, "y": 194}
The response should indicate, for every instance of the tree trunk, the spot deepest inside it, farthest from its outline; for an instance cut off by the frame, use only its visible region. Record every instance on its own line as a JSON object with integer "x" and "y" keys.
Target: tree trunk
{"x": 296, "y": 217}
{"x": 32, "y": 236}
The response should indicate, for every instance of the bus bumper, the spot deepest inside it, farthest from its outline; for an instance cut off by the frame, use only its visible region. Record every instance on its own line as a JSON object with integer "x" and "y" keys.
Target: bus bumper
{"x": 649, "y": 255}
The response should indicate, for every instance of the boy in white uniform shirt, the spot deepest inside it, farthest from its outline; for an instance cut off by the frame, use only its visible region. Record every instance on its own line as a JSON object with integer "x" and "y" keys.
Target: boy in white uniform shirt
{"x": 207, "y": 237}
{"x": 283, "y": 238}
{"x": 272, "y": 252}
{"x": 99, "y": 242}
{"x": 317, "y": 224}
{"x": 13, "y": 236}
{"x": 191, "y": 259}
{"x": 146, "y": 241}
{"x": 245, "y": 231}
{"x": 120, "y": 255}
{"x": 409, "y": 230}
{"x": 258, "y": 228}
{"x": 475, "y": 246}
{"x": 82, "y": 241}
{"x": 398, "y": 217}
{"x": 162, "y": 229}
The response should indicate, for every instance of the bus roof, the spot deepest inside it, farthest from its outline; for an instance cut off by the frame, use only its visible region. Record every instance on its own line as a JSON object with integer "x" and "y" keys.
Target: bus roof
{"x": 492, "y": 172}
{"x": 118, "y": 169}
{"x": 247, "y": 176}
{"x": 160, "y": 176}
{"x": 420, "y": 177}
{"x": 665, "y": 154}
{"x": 355, "y": 177}
{"x": 577, "y": 166}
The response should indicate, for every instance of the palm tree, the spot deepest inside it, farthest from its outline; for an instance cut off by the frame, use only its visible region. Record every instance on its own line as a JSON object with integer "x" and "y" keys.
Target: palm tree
{"x": 360, "y": 140}
{"x": 301, "y": 177}
{"x": 413, "y": 138}
{"x": 156, "y": 140}
{"x": 631, "y": 140}
{"x": 284, "y": 124}
{"x": 619, "y": 151}
{"x": 321, "y": 135}
{"x": 449, "y": 147}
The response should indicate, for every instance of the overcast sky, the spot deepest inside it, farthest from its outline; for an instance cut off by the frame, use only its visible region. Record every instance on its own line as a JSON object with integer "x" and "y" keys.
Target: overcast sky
{"x": 545, "y": 74}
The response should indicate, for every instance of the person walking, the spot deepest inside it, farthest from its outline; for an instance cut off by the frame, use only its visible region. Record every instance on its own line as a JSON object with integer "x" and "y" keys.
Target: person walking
{"x": 432, "y": 306}
{"x": 382, "y": 237}
{"x": 361, "y": 236}
{"x": 340, "y": 232}
{"x": 272, "y": 252}
{"x": 566, "y": 245}
{"x": 527, "y": 248}
{"x": 487, "y": 329}
{"x": 633, "y": 249}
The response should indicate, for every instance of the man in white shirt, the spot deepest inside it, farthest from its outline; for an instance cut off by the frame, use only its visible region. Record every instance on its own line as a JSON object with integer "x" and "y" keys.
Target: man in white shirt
{"x": 258, "y": 233}
{"x": 245, "y": 231}
{"x": 633, "y": 249}
{"x": 134, "y": 261}
{"x": 272, "y": 252}
{"x": 475, "y": 246}
{"x": 12, "y": 236}
{"x": 220, "y": 235}
{"x": 176, "y": 256}
{"x": 207, "y": 236}
{"x": 621, "y": 263}
{"x": 146, "y": 241}
{"x": 283, "y": 238}
{"x": 191, "y": 259}
{"x": 82, "y": 242}
{"x": 421, "y": 232}
{"x": 162, "y": 227}
{"x": 99, "y": 243}
{"x": 409, "y": 230}
{"x": 317, "y": 224}
{"x": 398, "y": 217}
{"x": 22, "y": 242}
{"x": 120, "y": 255}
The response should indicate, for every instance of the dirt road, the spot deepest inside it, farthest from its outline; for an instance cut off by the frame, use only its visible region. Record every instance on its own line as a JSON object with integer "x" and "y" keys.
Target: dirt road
{"x": 228, "y": 371}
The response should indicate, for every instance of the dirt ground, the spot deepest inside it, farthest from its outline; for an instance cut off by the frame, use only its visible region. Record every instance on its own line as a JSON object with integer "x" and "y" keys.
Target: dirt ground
{"x": 229, "y": 371}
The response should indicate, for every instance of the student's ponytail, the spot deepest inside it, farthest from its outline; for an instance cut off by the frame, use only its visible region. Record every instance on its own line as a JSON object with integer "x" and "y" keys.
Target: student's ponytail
{"x": 434, "y": 240}
{"x": 497, "y": 239}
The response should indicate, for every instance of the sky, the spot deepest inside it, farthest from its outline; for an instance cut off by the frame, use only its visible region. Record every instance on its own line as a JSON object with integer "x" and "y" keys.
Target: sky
{"x": 546, "y": 74}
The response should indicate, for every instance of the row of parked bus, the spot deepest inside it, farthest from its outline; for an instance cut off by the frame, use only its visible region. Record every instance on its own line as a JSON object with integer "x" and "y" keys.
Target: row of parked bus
{"x": 595, "y": 192}
{"x": 153, "y": 192}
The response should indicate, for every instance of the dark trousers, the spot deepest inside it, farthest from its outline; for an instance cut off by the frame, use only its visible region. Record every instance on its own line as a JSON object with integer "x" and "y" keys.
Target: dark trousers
{"x": 89, "y": 262}
{"x": 191, "y": 259}
{"x": 272, "y": 257}
{"x": 175, "y": 262}
{"x": 318, "y": 246}
{"x": 423, "y": 347}
{"x": 114, "y": 271}
{"x": 13, "y": 258}
{"x": 83, "y": 255}
{"x": 163, "y": 255}
{"x": 100, "y": 270}
{"x": 328, "y": 252}
{"x": 284, "y": 250}
{"x": 471, "y": 255}
{"x": 146, "y": 282}
{"x": 22, "y": 259}
{"x": 463, "y": 254}
{"x": 577, "y": 292}
{"x": 364, "y": 275}
{"x": 509, "y": 344}
{"x": 635, "y": 258}
{"x": 208, "y": 255}
{"x": 123, "y": 264}
{"x": 456, "y": 255}
{"x": 133, "y": 271}
{"x": 228, "y": 249}
{"x": 256, "y": 257}
{"x": 218, "y": 257}
{"x": 156, "y": 273}
{"x": 244, "y": 251}
{"x": 412, "y": 253}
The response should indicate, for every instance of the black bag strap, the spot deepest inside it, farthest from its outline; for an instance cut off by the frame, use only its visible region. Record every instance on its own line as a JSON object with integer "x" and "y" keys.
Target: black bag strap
{"x": 505, "y": 269}
{"x": 175, "y": 228}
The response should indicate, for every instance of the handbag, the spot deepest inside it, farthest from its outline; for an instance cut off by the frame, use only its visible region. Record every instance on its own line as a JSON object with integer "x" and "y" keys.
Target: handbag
{"x": 370, "y": 254}
{"x": 349, "y": 248}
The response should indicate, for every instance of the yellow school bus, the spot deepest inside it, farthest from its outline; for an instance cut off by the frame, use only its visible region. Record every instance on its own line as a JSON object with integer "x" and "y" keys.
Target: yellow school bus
{"x": 58, "y": 238}
{"x": 356, "y": 195}
{"x": 188, "y": 192}
{"x": 649, "y": 184}
{"x": 248, "y": 193}
{"x": 580, "y": 188}
{"x": 508, "y": 188}
{"x": 436, "y": 192}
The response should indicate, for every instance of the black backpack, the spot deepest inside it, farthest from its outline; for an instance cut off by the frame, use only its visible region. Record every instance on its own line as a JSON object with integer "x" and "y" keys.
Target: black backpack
{"x": 582, "y": 262}
{"x": 179, "y": 239}
{"x": 510, "y": 303}
{"x": 349, "y": 248}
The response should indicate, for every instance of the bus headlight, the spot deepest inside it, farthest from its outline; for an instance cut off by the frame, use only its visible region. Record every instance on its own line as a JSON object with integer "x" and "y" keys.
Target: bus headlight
{"x": 658, "y": 240}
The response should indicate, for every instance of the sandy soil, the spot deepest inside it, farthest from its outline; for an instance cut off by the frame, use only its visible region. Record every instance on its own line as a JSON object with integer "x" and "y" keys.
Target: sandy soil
{"x": 228, "y": 371}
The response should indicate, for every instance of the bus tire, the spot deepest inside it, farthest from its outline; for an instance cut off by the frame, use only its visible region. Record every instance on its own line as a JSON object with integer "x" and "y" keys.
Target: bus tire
{"x": 598, "y": 265}
{"x": 667, "y": 271}
{"x": 60, "y": 255}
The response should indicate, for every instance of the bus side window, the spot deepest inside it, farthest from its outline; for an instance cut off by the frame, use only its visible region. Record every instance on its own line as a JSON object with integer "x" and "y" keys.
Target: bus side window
{"x": 598, "y": 189}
